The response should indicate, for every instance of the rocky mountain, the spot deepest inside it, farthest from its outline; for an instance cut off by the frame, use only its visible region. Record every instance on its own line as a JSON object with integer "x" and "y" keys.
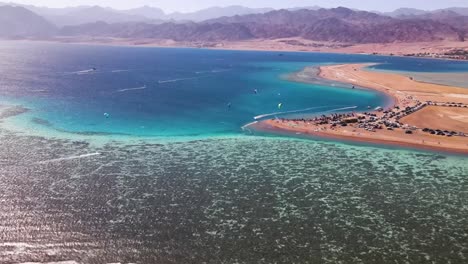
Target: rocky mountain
{"x": 305, "y": 17}
{"x": 337, "y": 25}
{"x": 413, "y": 30}
{"x": 447, "y": 17}
{"x": 19, "y": 22}
{"x": 175, "y": 31}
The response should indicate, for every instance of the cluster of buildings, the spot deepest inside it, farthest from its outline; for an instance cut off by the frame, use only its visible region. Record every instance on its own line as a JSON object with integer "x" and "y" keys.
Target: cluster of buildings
{"x": 454, "y": 55}
{"x": 380, "y": 119}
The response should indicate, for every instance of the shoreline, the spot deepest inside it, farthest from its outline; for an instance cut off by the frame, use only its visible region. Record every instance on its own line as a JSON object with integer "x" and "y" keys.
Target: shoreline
{"x": 312, "y": 75}
{"x": 269, "y": 128}
{"x": 402, "y": 50}
{"x": 390, "y": 126}
{"x": 392, "y": 99}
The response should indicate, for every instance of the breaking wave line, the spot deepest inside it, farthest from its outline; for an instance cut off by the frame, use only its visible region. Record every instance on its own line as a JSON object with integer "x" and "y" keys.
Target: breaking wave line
{"x": 249, "y": 124}
{"x": 291, "y": 112}
{"x": 69, "y": 158}
{"x": 344, "y": 108}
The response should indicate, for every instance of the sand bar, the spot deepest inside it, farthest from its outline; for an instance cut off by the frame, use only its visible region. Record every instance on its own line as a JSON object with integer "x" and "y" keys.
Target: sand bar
{"x": 424, "y": 115}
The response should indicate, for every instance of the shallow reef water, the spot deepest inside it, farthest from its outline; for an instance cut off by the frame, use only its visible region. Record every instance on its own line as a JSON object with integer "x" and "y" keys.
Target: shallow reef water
{"x": 239, "y": 200}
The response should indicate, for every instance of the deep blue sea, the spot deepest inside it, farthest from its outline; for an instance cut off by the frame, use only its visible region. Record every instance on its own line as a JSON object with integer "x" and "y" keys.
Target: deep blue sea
{"x": 221, "y": 195}
{"x": 175, "y": 92}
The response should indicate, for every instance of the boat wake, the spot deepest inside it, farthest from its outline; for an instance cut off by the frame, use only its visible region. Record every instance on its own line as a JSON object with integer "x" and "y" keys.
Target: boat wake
{"x": 39, "y": 91}
{"x": 83, "y": 72}
{"x": 181, "y": 79}
{"x": 132, "y": 89}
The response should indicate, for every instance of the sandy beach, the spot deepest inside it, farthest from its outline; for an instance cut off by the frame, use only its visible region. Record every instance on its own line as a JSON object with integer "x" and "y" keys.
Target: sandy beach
{"x": 424, "y": 115}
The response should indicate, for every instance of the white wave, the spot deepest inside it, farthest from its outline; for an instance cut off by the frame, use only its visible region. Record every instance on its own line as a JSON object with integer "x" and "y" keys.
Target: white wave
{"x": 249, "y": 124}
{"x": 213, "y": 71}
{"x": 131, "y": 89}
{"x": 70, "y": 158}
{"x": 220, "y": 70}
{"x": 290, "y": 112}
{"x": 116, "y": 71}
{"x": 344, "y": 108}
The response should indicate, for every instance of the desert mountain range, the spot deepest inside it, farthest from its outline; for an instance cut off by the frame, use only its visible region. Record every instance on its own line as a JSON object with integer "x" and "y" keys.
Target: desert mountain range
{"x": 236, "y": 23}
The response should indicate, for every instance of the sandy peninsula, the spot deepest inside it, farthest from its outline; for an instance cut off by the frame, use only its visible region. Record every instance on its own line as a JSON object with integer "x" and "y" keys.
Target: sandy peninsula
{"x": 424, "y": 115}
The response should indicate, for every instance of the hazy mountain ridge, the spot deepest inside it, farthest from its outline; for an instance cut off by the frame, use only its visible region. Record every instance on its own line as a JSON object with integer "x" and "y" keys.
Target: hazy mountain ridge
{"x": 337, "y": 25}
{"x": 146, "y": 12}
{"x": 89, "y": 14}
{"x": 410, "y": 12}
{"x": 215, "y": 12}
{"x": 18, "y": 22}
{"x": 305, "y": 17}
{"x": 93, "y": 14}
{"x": 401, "y": 12}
